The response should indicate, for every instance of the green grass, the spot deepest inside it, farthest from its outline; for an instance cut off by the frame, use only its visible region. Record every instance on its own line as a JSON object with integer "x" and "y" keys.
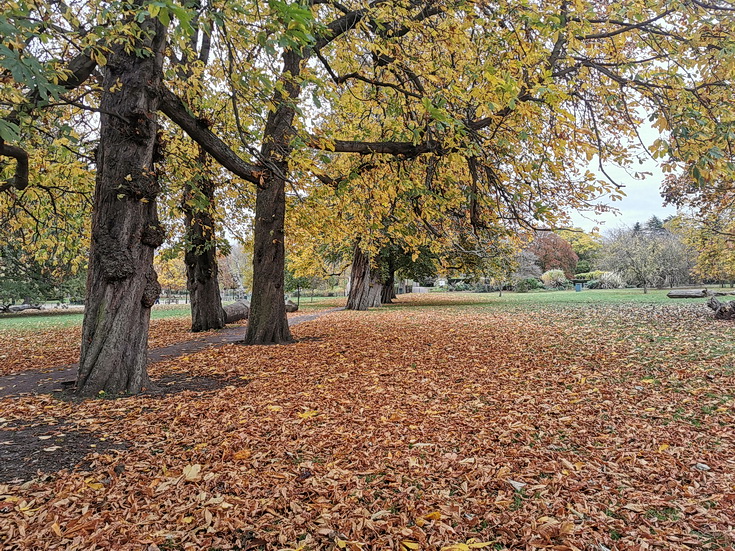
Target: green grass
{"x": 545, "y": 300}
{"x": 59, "y": 319}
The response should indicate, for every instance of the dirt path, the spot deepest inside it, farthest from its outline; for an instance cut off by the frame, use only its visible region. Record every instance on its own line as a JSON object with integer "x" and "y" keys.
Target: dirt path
{"x": 45, "y": 381}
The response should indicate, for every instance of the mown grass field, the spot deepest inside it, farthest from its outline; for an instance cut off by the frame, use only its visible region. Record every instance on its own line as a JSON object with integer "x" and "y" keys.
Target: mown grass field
{"x": 561, "y": 421}
{"x": 35, "y": 320}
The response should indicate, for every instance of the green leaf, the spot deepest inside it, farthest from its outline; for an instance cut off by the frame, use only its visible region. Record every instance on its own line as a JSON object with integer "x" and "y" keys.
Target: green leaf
{"x": 9, "y": 132}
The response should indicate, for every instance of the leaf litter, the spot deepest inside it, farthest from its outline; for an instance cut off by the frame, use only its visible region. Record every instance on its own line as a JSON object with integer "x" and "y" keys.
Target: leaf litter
{"x": 419, "y": 426}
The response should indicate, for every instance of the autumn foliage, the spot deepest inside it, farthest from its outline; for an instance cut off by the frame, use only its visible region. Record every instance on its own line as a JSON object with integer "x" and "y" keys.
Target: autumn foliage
{"x": 554, "y": 253}
{"x": 452, "y": 423}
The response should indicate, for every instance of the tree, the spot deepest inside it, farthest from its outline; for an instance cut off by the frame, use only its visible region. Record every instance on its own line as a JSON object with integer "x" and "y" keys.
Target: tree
{"x": 585, "y": 245}
{"x": 122, "y": 285}
{"x": 553, "y": 252}
{"x": 713, "y": 241}
{"x": 171, "y": 272}
{"x": 646, "y": 259}
{"x": 500, "y": 109}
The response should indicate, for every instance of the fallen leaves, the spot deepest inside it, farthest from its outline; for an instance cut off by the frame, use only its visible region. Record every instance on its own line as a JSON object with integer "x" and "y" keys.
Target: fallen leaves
{"x": 449, "y": 427}
{"x": 50, "y": 348}
{"x": 192, "y": 473}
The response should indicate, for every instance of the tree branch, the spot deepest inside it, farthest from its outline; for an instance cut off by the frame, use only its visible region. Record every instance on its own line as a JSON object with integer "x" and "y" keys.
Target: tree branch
{"x": 175, "y": 110}
{"x": 20, "y": 180}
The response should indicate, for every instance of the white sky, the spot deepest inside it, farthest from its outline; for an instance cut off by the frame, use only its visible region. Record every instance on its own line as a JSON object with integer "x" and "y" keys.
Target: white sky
{"x": 643, "y": 197}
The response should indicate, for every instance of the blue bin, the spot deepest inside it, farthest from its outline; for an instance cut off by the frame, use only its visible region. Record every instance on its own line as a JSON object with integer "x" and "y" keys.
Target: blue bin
{"x": 578, "y": 287}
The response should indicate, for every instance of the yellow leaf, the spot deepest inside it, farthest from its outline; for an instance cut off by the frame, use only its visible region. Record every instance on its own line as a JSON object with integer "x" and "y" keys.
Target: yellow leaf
{"x": 274, "y": 408}
{"x": 339, "y": 543}
{"x": 192, "y": 473}
{"x": 242, "y": 454}
{"x": 187, "y": 520}
{"x": 456, "y": 547}
{"x": 408, "y": 544}
{"x": 663, "y": 447}
{"x": 308, "y": 414}
{"x": 648, "y": 381}
{"x": 56, "y": 528}
{"x": 95, "y": 485}
{"x": 434, "y": 515}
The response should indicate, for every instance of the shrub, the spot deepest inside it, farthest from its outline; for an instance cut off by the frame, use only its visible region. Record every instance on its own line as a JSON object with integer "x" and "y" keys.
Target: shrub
{"x": 554, "y": 279}
{"x": 526, "y": 284}
{"x": 611, "y": 280}
{"x": 583, "y": 266}
{"x": 595, "y": 274}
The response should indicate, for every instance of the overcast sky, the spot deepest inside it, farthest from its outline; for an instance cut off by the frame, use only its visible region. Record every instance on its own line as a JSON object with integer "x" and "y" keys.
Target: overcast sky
{"x": 643, "y": 197}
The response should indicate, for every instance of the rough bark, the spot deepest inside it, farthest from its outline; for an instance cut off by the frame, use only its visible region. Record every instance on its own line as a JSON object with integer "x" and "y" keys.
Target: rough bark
{"x": 201, "y": 251}
{"x": 723, "y": 310}
{"x": 122, "y": 284}
{"x": 388, "y": 293}
{"x": 237, "y": 311}
{"x": 268, "y": 323}
{"x": 365, "y": 286}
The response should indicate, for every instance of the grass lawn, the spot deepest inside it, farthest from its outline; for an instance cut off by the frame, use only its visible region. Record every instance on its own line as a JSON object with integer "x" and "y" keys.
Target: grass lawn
{"x": 567, "y": 421}
{"x": 34, "y": 320}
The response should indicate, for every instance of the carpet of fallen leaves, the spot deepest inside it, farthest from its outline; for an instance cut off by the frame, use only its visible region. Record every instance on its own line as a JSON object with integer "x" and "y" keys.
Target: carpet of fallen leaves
{"x": 45, "y": 349}
{"x": 442, "y": 425}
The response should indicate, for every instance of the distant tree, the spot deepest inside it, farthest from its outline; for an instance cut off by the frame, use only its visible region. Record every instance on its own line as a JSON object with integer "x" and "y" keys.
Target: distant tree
{"x": 583, "y": 266}
{"x": 527, "y": 266}
{"x": 236, "y": 271}
{"x": 171, "y": 272}
{"x": 554, "y": 252}
{"x": 654, "y": 225}
{"x": 585, "y": 245}
{"x": 712, "y": 238}
{"x": 646, "y": 259}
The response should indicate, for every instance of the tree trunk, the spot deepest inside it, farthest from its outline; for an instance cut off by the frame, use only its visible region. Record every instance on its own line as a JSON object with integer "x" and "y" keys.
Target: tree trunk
{"x": 388, "y": 292}
{"x": 723, "y": 310}
{"x": 122, "y": 284}
{"x": 365, "y": 287}
{"x": 267, "y": 323}
{"x": 201, "y": 251}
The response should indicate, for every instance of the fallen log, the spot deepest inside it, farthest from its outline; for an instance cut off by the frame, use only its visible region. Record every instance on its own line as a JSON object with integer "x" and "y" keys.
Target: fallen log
{"x": 688, "y": 293}
{"x": 237, "y": 311}
{"x": 291, "y": 306}
{"x": 20, "y": 308}
{"x": 723, "y": 310}
{"x": 721, "y": 293}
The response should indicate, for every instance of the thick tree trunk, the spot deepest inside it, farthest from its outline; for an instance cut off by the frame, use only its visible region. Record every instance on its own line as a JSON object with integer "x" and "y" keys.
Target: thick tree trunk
{"x": 122, "y": 285}
{"x": 723, "y": 310}
{"x": 267, "y": 323}
{"x": 388, "y": 293}
{"x": 365, "y": 286}
{"x": 201, "y": 251}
